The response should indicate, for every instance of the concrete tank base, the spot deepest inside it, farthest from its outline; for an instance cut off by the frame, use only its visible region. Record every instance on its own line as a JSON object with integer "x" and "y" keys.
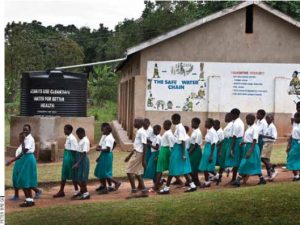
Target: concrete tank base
{"x": 48, "y": 133}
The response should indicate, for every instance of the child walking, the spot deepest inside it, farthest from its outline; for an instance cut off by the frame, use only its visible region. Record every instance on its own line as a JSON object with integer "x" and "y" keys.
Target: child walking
{"x": 149, "y": 133}
{"x": 136, "y": 160}
{"x": 209, "y": 158}
{"x": 220, "y": 151}
{"x": 293, "y": 149}
{"x": 195, "y": 152}
{"x": 250, "y": 164}
{"x": 150, "y": 171}
{"x": 179, "y": 159}
{"x": 163, "y": 161}
{"x": 82, "y": 165}
{"x": 227, "y": 144}
{"x": 67, "y": 173}
{"x": 261, "y": 124}
{"x": 103, "y": 170}
{"x": 236, "y": 151}
{"x": 269, "y": 137}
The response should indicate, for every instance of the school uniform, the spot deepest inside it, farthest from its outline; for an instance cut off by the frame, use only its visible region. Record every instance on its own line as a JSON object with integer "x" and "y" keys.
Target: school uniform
{"x": 268, "y": 143}
{"x": 149, "y": 134}
{"x": 196, "y": 154}
{"x": 71, "y": 146}
{"x": 211, "y": 138}
{"x": 167, "y": 142}
{"x": 104, "y": 165}
{"x": 81, "y": 174}
{"x": 16, "y": 169}
{"x": 220, "y": 159}
{"x": 252, "y": 165}
{"x": 178, "y": 166}
{"x": 293, "y": 157}
{"x": 237, "y": 131}
{"x": 26, "y": 172}
{"x": 228, "y": 162}
{"x": 150, "y": 170}
{"x": 261, "y": 126}
{"x": 135, "y": 164}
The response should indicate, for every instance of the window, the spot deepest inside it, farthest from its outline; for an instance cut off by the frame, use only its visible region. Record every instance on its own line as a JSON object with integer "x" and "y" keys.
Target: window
{"x": 249, "y": 19}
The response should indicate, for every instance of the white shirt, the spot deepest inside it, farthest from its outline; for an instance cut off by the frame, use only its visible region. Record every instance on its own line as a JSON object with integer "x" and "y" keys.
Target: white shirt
{"x": 108, "y": 142}
{"x": 29, "y": 144}
{"x": 228, "y": 130}
{"x": 84, "y": 145}
{"x": 180, "y": 133}
{"x": 149, "y": 132}
{"x": 238, "y": 128}
{"x": 220, "y": 133}
{"x": 211, "y": 136}
{"x": 71, "y": 143}
{"x": 296, "y": 131}
{"x": 261, "y": 125}
{"x": 187, "y": 141}
{"x": 155, "y": 140}
{"x": 168, "y": 139}
{"x": 293, "y": 114}
{"x": 270, "y": 131}
{"x": 101, "y": 139}
{"x": 196, "y": 137}
{"x": 251, "y": 134}
{"x": 19, "y": 150}
{"x": 139, "y": 140}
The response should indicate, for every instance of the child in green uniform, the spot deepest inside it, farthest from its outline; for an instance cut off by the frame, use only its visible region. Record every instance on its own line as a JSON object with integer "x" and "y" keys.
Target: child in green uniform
{"x": 261, "y": 124}
{"x": 220, "y": 151}
{"x": 149, "y": 133}
{"x": 71, "y": 147}
{"x": 250, "y": 164}
{"x": 209, "y": 157}
{"x": 103, "y": 169}
{"x": 82, "y": 165}
{"x": 227, "y": 145}
{"x": 194, "y": 150}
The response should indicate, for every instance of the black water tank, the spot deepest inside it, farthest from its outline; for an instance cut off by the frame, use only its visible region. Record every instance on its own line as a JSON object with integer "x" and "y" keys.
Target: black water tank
{"x": 53, "y": 93}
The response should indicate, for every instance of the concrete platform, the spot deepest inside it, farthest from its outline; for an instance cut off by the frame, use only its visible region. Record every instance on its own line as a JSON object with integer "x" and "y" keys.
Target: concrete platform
{"x": 121, "y": 136}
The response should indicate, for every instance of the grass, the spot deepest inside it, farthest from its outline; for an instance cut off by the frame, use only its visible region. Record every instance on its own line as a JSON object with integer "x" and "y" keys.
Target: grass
{"x": 271, "y": 204}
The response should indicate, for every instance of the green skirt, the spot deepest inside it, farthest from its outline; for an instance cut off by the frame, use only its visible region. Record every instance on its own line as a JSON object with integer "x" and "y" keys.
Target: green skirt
{"x": 293, "y": 157}
{"x": 148, "y": 154}
{"x": 222, "y": 159}
{"x": 26, "y": 172}
{"x": 205, "y": 165}
{"x": 67, "y": 173}
{"x": 195, "y": 158}
{"x": 16, "y": 171}
{"x": 178, "y": 166}
{"x": 237, "y": 151}
{"x": 260, "y": 143}
{"x": 81, "y": 174}
{"x": 163, "y": 160}
{"x": 104, "y": 165}
{"x": 252, "y": 165}
{"x": 150, "y": 170}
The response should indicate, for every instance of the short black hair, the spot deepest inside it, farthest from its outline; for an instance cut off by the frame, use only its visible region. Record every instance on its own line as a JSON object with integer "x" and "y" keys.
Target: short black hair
{"x": 235, "y": 112}
{"x": 296, "y": 72}
{"x": 298, "y": 104}
{"x": 297, "y": 115}
{"x": 251, "y": 115}
{"x": 168, "y": 123}
{"x": 261, "y": 112}
{"x": 176, "y": 117}
{"x": 104, "y": 125}
{"x": 80, "y": 130}
{"x": 217, "y": 123}
{"x": 156, "y": 127}
{"x": 146, "y": 120}
{"x": 210, "y": 121}
{"x": 196, "y": 120}
{"x": 187, "y": 129}
{"x": 27, "y": 125}
{"x": 69, "y": 127}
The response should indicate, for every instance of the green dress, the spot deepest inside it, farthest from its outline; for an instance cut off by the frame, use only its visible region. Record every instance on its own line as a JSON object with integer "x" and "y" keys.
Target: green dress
{"x": 178, "y": 166}
{"x": 163, "y": 160}
{"x": 252, "y": 165}
{"x": 81, "y": 174}
{"x": 293, "y": 157}
{"x": 150, "y": 171}
{"x": 104, "y": 165}
{"x": 205, "y": 165}
{"x": 195, "y": 158}
{"x": 67, "y": 173}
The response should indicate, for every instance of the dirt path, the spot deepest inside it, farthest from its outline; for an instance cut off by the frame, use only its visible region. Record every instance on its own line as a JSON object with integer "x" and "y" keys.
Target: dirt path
{"x": 46, "y": 198}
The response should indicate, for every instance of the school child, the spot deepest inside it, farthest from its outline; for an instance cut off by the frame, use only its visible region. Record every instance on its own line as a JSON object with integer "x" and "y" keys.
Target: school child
{"x": 209, "y": 157}
{"x": 227, "y": 145}
{"x": 261, "y": 124}
{"x": 150, "y": 171}
{"x": 163, "y": 160}
{"x": 71, "y": 146}
{"x": 179, "y": 159}
{"x": 293, "y": 149}
{"x": 195, "y": 151}
{"x": 297, "y": 110}
{"x": 103, "y": 169}
{"x": 26, "y": 174}
{"x": 149, "y": 133}
{"x": 137, "y": 159}
{"x": 236, "y": 150}
{"x": 187, "y": 137}
{"x": 16, "y": 169}
{"x": 110, "y": 187}
{"x": 250, "y": 164}
{"x": 269, "y": 137}
{"x": 219, "y": 150}
{"x": 82, "y": 165}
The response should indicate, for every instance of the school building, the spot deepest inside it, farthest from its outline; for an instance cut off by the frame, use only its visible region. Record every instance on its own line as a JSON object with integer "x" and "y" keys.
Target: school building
{"x": 244, "y": 56}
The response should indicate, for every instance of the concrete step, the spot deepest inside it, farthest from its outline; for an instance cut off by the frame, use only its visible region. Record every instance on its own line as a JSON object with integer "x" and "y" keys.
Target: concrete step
{"x": 121, "y": 136}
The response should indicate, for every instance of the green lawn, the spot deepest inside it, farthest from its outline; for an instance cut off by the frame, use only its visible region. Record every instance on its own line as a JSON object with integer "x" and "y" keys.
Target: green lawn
{"x": 271, "y": 204}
